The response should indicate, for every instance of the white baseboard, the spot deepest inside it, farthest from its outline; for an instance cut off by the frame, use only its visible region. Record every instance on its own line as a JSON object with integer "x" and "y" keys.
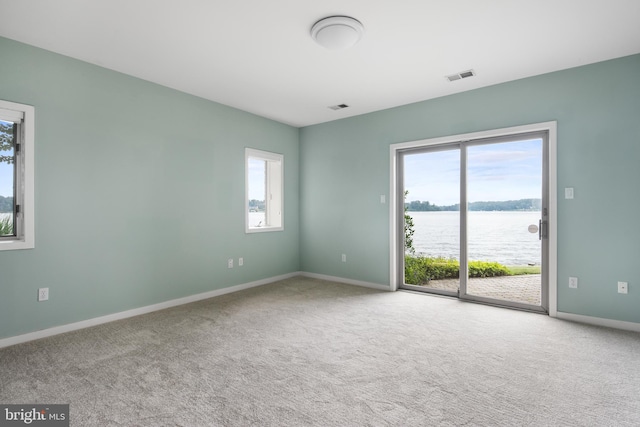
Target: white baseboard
{"x": 6, "y": 342}
{"x": 599, "y": 321}
{"x": 347, "y": 281}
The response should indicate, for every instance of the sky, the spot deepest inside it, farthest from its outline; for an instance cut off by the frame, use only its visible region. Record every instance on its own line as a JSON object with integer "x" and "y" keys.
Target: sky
{"x": 6, "y": 174}
{"x": 6, "y": 179}
{"x": 495, "y": 172}
{"x": 256, "y": 179}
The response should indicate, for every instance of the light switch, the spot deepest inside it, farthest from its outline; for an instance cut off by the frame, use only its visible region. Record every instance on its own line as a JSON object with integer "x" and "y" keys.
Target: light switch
{"x": 568, "y": 193}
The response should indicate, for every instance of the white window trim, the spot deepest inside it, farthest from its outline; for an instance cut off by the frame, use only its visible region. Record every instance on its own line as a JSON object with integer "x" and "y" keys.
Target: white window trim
{"x": 268, "y": 156}
{"x": 27, "y": 238}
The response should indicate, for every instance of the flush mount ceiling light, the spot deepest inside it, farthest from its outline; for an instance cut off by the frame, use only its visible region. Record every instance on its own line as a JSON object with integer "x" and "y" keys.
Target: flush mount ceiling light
{"x": 337, "y": 32}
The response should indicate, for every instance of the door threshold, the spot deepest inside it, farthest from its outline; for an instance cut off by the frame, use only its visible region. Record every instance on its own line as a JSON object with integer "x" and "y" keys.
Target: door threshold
{"x": 535, "y": 310}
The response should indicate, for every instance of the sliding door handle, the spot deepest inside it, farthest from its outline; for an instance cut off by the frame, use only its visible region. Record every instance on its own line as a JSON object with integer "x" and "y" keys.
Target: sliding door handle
{"x": 542, "y": 230}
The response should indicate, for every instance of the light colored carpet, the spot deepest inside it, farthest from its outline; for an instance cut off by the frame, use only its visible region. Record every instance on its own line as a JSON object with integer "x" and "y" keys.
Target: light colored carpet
{"x": 308, "y": 352}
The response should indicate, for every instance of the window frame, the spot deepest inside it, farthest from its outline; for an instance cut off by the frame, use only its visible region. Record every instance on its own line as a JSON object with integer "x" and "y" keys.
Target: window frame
{"x": 24, "y": 176}
{"x": 274, "y": 190}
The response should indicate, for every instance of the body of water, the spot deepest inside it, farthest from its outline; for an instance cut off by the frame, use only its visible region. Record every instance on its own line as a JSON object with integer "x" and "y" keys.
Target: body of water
{"x": 492, "y": 236}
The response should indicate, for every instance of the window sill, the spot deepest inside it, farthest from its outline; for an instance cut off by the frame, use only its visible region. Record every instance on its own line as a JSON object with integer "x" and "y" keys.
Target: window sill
{"x": 263, "y": 229}
{"x": 11, "y": 245}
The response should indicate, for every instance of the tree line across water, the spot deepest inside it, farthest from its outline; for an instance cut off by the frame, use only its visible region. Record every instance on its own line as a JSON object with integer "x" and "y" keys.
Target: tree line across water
{"x": 6, "y": 204}
{"x": 507, "y": 205}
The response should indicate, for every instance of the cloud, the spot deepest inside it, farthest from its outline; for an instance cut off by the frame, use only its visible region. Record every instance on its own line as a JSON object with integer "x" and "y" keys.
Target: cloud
{"x": 501, "y": 171}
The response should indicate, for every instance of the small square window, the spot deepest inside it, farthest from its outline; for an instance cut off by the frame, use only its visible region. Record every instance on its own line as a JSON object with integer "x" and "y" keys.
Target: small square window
{"x": 264, "y": 199}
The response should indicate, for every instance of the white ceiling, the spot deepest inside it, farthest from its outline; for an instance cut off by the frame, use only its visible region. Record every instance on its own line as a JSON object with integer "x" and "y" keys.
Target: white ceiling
{"x": 257, "y": 55}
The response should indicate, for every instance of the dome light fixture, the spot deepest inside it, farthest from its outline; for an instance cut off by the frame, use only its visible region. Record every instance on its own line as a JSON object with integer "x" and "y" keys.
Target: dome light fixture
{"x": 337, "y": 32}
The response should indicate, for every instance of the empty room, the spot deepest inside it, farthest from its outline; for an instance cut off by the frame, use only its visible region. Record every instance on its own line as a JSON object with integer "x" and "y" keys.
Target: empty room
{"x": 337, "y": 213}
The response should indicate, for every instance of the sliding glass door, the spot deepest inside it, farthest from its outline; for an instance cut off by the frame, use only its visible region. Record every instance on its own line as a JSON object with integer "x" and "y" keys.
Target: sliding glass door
{"x": 475, "y": 216}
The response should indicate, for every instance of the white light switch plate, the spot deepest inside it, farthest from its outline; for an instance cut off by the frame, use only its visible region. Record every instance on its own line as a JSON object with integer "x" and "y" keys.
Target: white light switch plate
{"x": 568, "y": 193}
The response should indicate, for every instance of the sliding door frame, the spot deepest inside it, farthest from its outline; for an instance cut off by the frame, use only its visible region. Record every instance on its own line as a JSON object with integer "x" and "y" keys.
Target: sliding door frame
{"x": 396, "y": 204}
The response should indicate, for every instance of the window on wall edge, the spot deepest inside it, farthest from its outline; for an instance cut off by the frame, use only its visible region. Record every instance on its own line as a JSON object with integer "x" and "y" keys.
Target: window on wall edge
{"x": 264, "y": 194}
{"x": 16, "y": 176}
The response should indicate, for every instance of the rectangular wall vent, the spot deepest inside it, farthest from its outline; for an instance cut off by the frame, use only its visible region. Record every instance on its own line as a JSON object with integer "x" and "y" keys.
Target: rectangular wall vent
{"x": 338, "y": 107}
{"x": 461, "y": 75}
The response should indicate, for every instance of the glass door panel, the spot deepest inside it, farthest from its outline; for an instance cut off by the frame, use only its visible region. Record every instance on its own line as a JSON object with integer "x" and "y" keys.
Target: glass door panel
{"x": 504, "y": 212}
{"x": 432, "y": 220}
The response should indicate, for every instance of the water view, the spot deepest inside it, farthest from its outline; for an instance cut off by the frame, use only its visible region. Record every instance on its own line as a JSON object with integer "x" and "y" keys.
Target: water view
{"x": 492, "y": 236}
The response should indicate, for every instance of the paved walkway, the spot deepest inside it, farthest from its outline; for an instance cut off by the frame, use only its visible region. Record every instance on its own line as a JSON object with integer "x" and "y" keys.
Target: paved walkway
{"x": 524, "y": 288}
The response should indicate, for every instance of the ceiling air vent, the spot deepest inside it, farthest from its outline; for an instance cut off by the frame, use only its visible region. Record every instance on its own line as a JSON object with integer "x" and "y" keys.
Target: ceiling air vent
{"x": 461, "y": 75}
{"x": 338, "y": 107}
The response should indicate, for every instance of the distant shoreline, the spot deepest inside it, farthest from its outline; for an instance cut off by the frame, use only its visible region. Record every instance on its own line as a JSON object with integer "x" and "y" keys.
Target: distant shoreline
{"x": 524, "y": 205}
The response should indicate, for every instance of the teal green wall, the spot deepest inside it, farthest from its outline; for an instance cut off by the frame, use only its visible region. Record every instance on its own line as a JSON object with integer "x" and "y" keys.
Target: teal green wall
{"x": 139, "y": 194}
{"x": 344, "y": 168}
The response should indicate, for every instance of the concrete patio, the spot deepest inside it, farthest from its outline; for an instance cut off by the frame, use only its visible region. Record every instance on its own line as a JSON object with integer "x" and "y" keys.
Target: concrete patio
{"x": 524, "y": 288}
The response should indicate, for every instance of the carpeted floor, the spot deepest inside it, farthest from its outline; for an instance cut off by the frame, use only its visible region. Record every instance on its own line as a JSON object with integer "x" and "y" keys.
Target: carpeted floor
{"x": 308, "y": 352}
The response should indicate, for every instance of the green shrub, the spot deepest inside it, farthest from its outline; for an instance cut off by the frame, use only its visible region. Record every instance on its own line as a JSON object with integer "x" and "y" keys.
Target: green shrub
{"x": 419, "y": 270}
{"x": 487, "y": 269}
{"x": 6, "y": 226}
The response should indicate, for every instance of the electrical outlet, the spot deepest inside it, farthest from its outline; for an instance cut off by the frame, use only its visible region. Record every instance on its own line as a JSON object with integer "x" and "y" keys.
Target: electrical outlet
{"x": 230, "y": 263}
{"x": 43, "y": 294}
{"x": 573, "y": 282}
{"x": 344, "y": 257}
{"x": 240, "y": 262}
{"x": 623, "y": 287}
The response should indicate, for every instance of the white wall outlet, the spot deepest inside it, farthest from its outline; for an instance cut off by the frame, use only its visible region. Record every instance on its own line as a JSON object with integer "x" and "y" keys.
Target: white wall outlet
{"x": 240, "y": 262}
{"x": 230, "y": 263}
{"x": 344, "y": 257}
{"x": 573, "y": 282}
{"x": 383, "y": 199}
{"x": 568, "y": 193}
{"x": 43, "y": 294}
{"x": 623, "y": 287}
